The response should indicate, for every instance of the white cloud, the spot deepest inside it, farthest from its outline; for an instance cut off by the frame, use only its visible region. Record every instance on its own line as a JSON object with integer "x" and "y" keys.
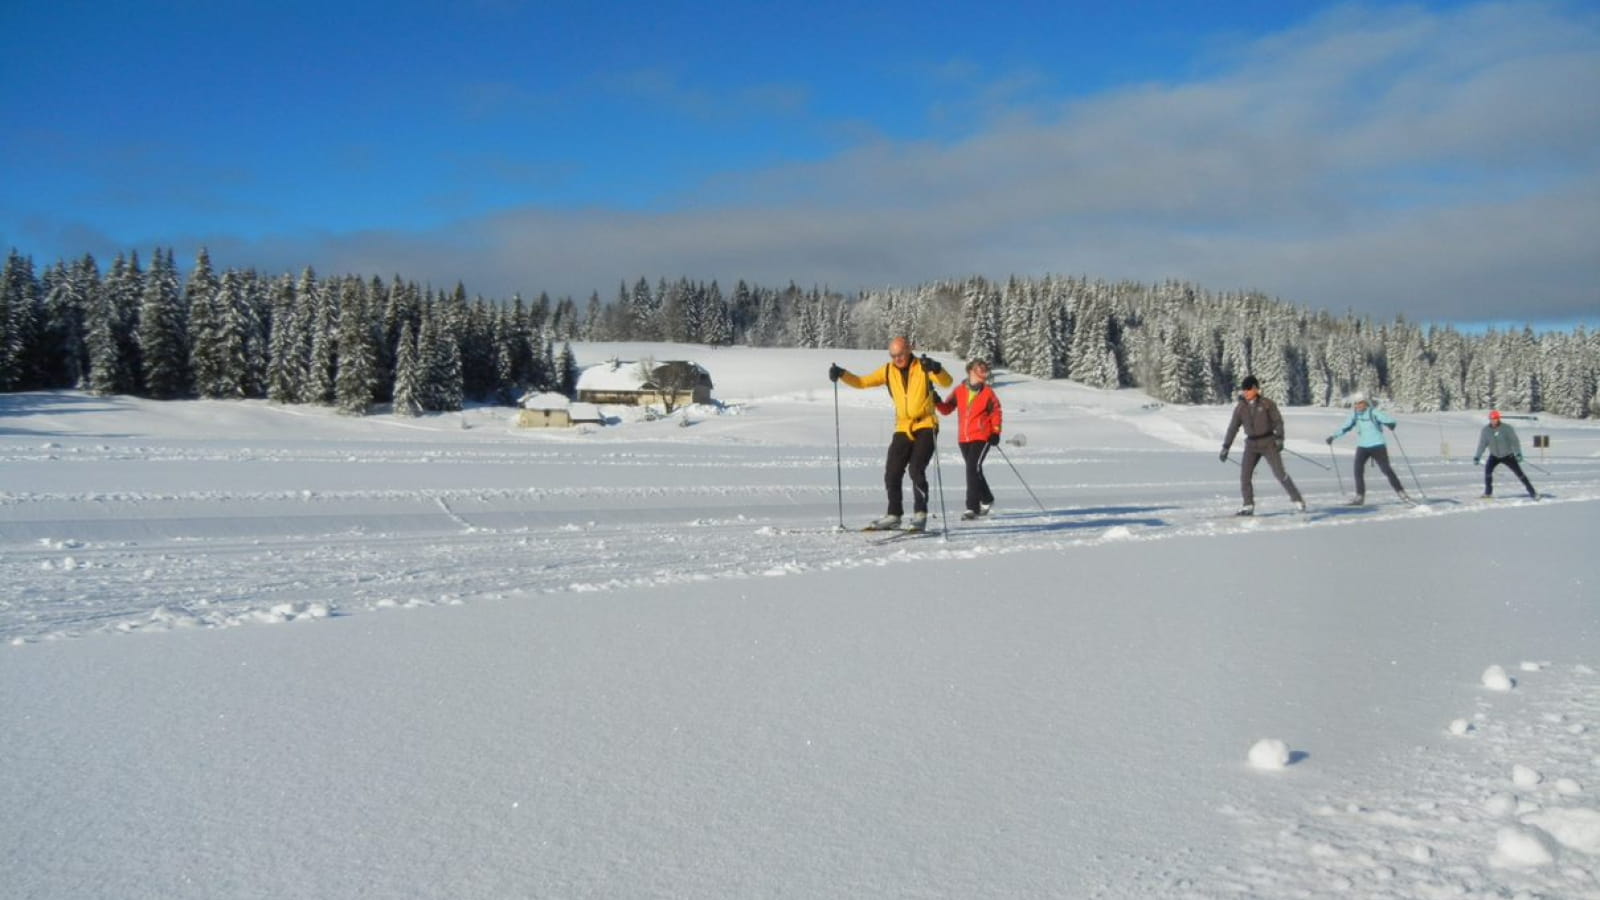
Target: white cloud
{"x": 1443, "y": 165}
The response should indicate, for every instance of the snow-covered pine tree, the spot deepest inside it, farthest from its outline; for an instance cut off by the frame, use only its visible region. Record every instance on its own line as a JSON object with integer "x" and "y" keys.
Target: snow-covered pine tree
{"x": 1087, "y": 358}
{"x": 591, "y": 319}
{"x": 377, "y": 300}
{"x": 564, "y": 320}
{"x": 217, "y": 341}
{"x": 20, "y": 302}
{"x": 567, "y": 366}
{"x": 407, "y": 374}
{"x": 322, "y": 361}
{"x": 255, "y": 317}
{"x": 201, "y": 283}
{"x": 1017, "y": 309}
{"x": 1054, "y": 325}
{"x": 1519, "y": 361}
{"x": 547, "y": 359}
{"x": 63, "y": 359}
{"x": 286, "y": 363}
{"x": 160, "y": 333}
{"x": 439, "y": 359}
{"x": 120, "y": 296}
{"x": 85, "y": 294}
{"x": 358, "y": 357}
{"x": 503, "y": 353}
{"x": 644, "y": 309}
{"x": 678, "y": 315}
{"x": 805, "y": 331}
{"x": 980, "y": 306}
{"x": 106, "y": 374}
{"x": 479, "y": 377}
{"x": 718, "y": 323}
{"x": 1182, "y": 375}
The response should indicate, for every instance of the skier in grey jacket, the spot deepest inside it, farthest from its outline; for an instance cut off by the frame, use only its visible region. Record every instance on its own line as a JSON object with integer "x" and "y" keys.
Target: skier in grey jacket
{"x": 1504, "y": 450}
{"x": 1263, "y": 438}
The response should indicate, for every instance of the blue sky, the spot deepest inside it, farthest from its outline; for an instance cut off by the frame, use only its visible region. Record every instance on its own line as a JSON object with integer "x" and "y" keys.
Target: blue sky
{"x": 1436, "y": 160}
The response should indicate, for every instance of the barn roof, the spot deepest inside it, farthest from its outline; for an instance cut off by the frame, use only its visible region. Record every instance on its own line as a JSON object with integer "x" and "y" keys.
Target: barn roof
{"x": 546, "y": 400}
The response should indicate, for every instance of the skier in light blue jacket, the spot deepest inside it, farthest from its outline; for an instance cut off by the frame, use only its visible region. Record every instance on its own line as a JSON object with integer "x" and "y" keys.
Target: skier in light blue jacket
{"x": 1369, "y": 422}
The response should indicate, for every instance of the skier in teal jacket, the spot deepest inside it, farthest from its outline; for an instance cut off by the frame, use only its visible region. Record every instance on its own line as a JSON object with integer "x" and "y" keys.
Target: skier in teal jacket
{"x": 1369, "y": 422}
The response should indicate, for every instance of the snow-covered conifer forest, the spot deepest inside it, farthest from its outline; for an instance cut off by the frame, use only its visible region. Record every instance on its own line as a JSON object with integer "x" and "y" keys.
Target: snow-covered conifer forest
{"x": 355, "y": 341}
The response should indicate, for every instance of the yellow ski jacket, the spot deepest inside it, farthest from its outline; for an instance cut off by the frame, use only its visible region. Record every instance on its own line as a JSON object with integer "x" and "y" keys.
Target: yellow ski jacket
{"x": 911, "y": 389}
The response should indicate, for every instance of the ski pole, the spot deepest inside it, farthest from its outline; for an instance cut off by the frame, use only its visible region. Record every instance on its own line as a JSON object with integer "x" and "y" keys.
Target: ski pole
{"x": 1019, "y": 477}
{"x": 938, "y": 469}
{"x": 1307, "y": 459}
{"x": 838, "y": 453}
{"x": 1420, "y": 492}
{"x": 1540, "y": 468}
{"x": 1336, "y": 471}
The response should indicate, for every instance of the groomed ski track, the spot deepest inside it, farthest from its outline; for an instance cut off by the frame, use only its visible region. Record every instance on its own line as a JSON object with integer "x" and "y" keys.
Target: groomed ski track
{"x": 155, "y": 558}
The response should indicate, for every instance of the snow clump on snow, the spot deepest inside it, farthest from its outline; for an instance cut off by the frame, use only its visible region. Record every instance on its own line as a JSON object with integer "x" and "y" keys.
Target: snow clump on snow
{"x": 1496, "y": 679}
{"x": 1522, "y": 846}
{"x": 1269, "y": 753}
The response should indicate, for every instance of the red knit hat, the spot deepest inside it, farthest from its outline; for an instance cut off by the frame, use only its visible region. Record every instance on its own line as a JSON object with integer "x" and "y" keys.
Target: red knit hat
{"x": 1494, "y": 415}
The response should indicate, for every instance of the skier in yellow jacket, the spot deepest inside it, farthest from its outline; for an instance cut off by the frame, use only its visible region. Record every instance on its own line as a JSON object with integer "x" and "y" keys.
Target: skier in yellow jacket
{"x": 910, "y": 381}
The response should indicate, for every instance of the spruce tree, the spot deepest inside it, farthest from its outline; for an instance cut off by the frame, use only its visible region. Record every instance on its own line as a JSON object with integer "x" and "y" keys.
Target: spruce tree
{"x": 407, "y": 374}
{"x": 160, "y": 332}
{"x": 357, "y": 363}
{"x": 99, "y": 318}
{"x": 286, "y": 368}
{"x": 217, "y": 351}
{"x": 567, "y": 366}
{"x": 19, "y": 300}
{"x": 323, "y": 360}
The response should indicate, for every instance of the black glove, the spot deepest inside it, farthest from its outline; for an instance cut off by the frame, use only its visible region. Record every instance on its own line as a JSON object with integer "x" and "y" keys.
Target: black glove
{"x": 929, "y": 364}
{"x": 1278, "y": 445}
{"x": 994, "y": 439}
{"x": 834, "y": 372}
{"x": 1330, "y": 440}
{"x": 1475, "y": 460}
{"x": 1223, "y": 456}
{"x": 1519, "y": 457}
{"x": 1390, "y": 425}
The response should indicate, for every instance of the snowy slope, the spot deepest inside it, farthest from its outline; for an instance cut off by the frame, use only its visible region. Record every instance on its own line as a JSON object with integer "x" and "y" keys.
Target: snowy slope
{"x": 643, "y": 660}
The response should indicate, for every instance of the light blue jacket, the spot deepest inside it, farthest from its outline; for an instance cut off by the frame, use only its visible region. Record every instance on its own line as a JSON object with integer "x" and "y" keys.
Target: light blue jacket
{"x": 1368, "y": 425}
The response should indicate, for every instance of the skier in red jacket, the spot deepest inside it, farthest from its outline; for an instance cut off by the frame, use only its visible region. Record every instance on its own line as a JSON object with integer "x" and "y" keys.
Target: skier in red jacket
{"x": 978, "y": 419}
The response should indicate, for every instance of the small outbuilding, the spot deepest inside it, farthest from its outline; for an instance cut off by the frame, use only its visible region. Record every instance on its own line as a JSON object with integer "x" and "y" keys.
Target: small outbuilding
{"x": 545, "y": 410}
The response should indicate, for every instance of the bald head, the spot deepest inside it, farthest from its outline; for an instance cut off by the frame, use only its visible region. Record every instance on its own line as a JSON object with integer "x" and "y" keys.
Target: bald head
{"x": 900, "y": 351}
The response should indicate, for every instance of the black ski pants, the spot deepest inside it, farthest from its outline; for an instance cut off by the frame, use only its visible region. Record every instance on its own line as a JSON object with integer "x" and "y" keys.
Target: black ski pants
{"x": 1379, "y": 455}
{"x": 978, "y": 494}
{"x": 906, "y": 452}
{"x": 1509, "y": 462}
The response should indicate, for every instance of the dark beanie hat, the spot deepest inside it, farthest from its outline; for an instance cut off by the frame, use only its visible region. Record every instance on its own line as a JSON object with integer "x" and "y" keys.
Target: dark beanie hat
{"x": 1249, "y": 383}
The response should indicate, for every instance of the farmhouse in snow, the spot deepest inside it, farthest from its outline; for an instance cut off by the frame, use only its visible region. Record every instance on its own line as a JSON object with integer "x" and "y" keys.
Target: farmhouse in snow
{"x": 670, "y": 384}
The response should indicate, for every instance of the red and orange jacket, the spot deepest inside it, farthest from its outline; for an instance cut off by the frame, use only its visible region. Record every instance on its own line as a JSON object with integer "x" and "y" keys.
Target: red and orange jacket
{"x": 979, "y": 412}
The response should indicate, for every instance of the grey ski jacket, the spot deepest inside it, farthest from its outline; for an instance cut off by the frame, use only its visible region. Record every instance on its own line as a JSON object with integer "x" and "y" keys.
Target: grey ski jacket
{"x": 1259, "y": 421}
{"x": 1500, "y": 442}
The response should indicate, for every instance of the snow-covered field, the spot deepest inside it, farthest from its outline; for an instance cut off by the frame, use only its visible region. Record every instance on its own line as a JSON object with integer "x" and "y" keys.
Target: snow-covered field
{"x": 643, "y": 661}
